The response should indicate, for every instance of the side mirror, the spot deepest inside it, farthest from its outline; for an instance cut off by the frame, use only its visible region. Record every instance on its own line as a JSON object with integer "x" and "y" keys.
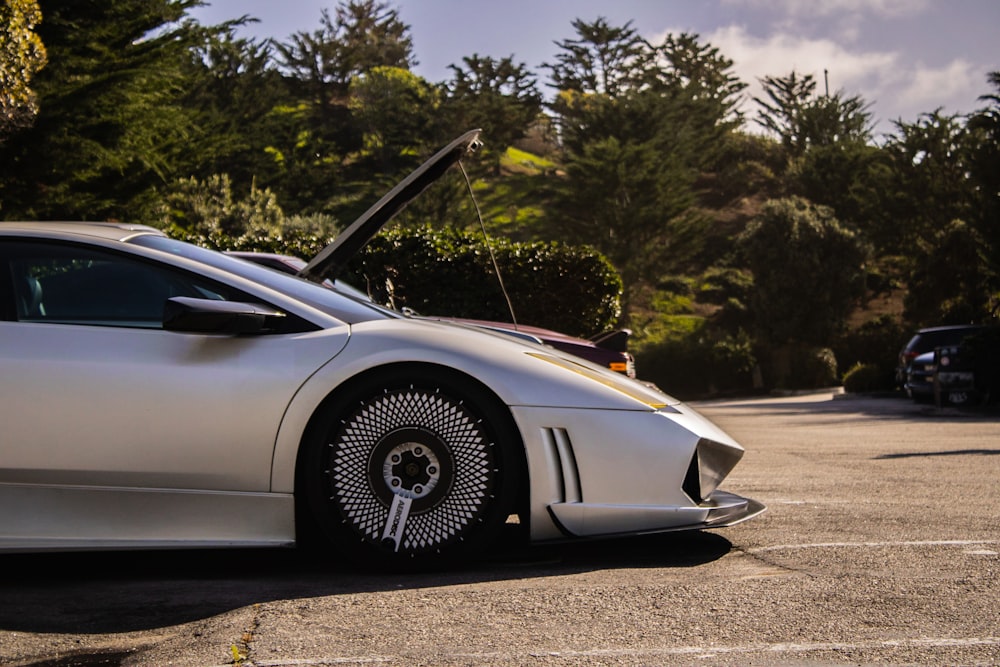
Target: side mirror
{"x": 211, "y": 316}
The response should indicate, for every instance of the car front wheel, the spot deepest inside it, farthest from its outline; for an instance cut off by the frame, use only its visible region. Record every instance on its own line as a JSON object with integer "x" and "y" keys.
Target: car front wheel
{"x": 413, "y": 471}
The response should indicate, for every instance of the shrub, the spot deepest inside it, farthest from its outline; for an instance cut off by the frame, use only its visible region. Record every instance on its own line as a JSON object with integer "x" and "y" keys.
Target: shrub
{"x": 874, "y": 343}
{"x": 864, "y": 377}
{"x": 699, "y": 364}
{"x": 720, "y": 285}
{"x": 801, "y": 366}
{"x": 572, "y": 289}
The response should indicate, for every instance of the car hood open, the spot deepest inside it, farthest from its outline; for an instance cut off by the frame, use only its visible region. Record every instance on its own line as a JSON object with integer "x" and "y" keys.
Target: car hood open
{"x": 330, "y": 261}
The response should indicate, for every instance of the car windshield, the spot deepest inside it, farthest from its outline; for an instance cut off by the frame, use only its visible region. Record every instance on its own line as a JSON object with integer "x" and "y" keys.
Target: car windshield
{"x": 343, "y": 306}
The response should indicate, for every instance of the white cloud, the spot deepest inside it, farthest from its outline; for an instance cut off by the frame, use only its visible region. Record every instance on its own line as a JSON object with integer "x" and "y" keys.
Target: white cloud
{"x": 778, "y": 55}
{"x": 902, "y": 57}
{"x": 821, "y": 8}
{"x": 894, "y": 86}
{"x": 846, "y": 19}
{"x": 927, "y": 86}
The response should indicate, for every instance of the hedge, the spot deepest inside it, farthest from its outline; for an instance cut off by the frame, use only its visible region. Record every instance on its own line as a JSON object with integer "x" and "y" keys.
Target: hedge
{"x": 572, "y": 289}
{"x": 448, "y": 273}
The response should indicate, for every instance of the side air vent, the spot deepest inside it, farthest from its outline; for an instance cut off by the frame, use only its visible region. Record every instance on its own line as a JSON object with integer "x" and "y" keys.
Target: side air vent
{"x": 560, "y": 451}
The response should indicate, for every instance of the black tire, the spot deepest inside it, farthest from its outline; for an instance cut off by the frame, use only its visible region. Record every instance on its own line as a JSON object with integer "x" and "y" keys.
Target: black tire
{"x": 412, "y": 468}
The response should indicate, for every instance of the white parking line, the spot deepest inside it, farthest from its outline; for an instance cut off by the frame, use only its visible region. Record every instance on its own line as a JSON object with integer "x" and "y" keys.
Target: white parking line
{"x": 834, "y": 545}
{"x": 696, "y": 651}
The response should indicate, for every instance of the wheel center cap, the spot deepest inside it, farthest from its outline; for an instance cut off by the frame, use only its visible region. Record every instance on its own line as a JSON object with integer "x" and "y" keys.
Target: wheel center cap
{"x": 411, "y": 469}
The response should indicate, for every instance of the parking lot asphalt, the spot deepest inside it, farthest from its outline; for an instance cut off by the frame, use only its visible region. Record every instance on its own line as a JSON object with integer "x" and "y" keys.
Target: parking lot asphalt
{"x": 881, "y": 545}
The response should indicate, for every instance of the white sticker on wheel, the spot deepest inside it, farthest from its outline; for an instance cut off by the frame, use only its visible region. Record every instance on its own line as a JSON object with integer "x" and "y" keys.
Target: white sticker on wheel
{"x": 396, "y": 522}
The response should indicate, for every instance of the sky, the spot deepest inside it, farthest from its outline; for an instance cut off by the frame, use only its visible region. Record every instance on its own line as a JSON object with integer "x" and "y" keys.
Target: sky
{"x": 904, "y": 57}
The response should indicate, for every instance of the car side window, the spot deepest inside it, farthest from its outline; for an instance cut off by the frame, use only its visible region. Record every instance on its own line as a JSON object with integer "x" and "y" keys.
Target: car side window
{"x": 68, "y": 284}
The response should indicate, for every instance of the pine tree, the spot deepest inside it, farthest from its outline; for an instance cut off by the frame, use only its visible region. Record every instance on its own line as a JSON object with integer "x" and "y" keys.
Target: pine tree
{"x": 109, "y": 128}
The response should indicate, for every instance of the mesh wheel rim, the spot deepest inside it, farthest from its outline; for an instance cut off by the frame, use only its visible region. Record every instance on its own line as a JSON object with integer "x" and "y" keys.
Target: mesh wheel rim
{"x": 457, "y": 436}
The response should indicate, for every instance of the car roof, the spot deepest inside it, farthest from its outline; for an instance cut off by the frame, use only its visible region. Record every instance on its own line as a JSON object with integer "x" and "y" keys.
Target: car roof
{"x": 111, "y": 231}
{"x": 951, "y": 327}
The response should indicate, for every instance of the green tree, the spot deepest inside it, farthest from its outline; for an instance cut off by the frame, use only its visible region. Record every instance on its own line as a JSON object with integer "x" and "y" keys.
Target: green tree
{"x": 929, "y": 185}
{"x": 22, "y": 55}
{"x": 703, "y": 95}
{"x": 831, "y": 160}
{"x": 836, "y": 119}
{"x": 361, "y": 35}
{"x": 109, "y": 129}
{"x": 951, "y": 279}
{"x": 984, "y": 171}
{"x": 602, "y": 64}
{"x": 394, "y": 107}
{"x": 232, "y": 88}
{"x": 808, "y": 271}
{"x": 322, "y": 130}
{"x": 615, "y": 202}
{"x": 603, "y": 59}
{"x": 801, "y": 120}
{"x": 635, "y": 141}
{"x": 705, "y": 74}
{"x": 853, "y": 179}
{"x": 367, "y": 34}
{"x": 780, "y": 112}
{"x": 499, "y": 96}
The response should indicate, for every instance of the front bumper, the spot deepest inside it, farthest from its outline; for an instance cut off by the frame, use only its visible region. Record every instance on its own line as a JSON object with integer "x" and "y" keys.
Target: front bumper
{"x": 601, "y": 473}
{"x": 720, "y": 510}
{"x": 729, "y": 509}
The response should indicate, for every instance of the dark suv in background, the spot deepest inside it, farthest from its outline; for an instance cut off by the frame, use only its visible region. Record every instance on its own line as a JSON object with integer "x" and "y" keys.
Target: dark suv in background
{"x": 921, "y": 362}
{"x": 926, "y": 340}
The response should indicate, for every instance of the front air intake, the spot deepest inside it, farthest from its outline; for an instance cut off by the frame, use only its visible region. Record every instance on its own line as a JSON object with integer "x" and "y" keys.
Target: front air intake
{"x": 692, "y": 480}
{"x": 709, "y": 465}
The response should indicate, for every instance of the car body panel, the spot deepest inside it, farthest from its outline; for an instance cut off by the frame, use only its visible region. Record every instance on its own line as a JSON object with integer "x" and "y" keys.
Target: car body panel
{"x": 121, "y": 435}
{"x": 38, "y": 518}
{"x": 618, "y": 360}
{"x": 517, "y": 375}
{"x": 209, "y": 421}
{"x": 721, "y": 510}
{"x": 599, "y": 473}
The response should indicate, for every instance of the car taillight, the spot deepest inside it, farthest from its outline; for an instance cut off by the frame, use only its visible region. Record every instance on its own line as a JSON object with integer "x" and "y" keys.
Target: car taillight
{"x": 626, "y": 366}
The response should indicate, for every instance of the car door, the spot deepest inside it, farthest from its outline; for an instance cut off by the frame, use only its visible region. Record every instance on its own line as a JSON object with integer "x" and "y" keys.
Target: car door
{"x": 96, "y": 394}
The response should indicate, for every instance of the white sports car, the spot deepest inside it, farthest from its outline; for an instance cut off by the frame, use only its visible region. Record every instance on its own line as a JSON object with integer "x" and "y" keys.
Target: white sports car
{"x": 160, "y": 395}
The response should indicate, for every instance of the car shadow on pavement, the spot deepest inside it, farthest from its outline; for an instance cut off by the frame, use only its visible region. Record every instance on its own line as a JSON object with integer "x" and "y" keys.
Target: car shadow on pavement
{"x": 98, "y": 593}
{"x": 956, "y": 452}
